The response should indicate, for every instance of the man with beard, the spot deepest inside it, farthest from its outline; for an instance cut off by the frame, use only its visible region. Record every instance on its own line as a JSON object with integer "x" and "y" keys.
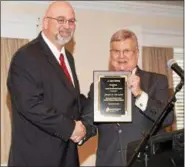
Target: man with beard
{"x": 45, "y": 96}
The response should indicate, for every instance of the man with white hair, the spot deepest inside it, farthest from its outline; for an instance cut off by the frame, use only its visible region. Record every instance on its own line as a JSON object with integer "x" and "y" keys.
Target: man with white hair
{"x": 149, "y": 97}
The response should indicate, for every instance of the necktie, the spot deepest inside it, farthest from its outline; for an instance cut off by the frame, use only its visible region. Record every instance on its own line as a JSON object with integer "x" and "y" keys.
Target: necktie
{"x": 63, "y": 65}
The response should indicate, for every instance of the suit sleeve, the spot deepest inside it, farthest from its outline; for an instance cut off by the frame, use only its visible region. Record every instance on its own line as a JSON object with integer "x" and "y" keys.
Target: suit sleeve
{"x": 27, "y": 94}
{"x": 87, "y": 115}
{"x": 158, "y": 96}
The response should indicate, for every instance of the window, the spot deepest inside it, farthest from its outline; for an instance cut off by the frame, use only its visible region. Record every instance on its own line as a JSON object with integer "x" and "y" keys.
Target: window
{"x": 179, "y": 105}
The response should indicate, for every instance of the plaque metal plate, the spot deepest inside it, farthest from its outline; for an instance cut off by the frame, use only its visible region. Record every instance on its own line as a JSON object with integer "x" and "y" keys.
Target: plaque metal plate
{"x": 112, "y": 98}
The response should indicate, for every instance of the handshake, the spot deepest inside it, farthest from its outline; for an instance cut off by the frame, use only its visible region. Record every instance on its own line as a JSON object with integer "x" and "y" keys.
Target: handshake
{"x": 79, "y": 132}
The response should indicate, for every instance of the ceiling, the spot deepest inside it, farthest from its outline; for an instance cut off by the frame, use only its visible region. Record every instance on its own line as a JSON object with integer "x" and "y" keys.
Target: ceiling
{"x": 37, "y": 8}
{"x": 169, "y": 2}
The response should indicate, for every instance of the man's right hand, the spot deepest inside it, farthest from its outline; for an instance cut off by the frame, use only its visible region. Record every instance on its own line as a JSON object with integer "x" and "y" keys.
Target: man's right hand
{"x": 79, "y": 132}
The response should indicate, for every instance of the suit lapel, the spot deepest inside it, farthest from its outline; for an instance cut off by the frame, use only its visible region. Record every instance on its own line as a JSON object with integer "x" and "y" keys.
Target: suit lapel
{"x": 142, "y": 84}
{"x": 143, "y": 80}
{"x": 72, "y": 65}
{"x": 54, "y": 63}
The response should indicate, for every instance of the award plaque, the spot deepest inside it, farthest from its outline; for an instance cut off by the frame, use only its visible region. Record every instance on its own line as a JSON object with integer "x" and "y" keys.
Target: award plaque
{"x": 112, "y": 98}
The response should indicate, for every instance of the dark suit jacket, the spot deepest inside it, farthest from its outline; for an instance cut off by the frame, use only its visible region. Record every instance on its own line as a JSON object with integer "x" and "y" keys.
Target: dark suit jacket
{"x": 44, "y": 107}
{"x": 113, "y": 139}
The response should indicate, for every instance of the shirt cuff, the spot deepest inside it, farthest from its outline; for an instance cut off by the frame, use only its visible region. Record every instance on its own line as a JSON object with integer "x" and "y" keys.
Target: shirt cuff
{"x": 141, "y": 101}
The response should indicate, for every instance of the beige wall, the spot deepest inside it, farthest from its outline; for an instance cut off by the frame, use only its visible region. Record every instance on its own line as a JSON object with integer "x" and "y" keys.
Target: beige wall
{"x": 93, "y": 33}
{"x": 94, "y": 29}
{"x": 91, "y": 50}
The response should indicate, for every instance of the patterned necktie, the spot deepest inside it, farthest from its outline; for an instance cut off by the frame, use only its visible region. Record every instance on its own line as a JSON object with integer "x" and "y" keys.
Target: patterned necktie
{"x": 64, "y": 67}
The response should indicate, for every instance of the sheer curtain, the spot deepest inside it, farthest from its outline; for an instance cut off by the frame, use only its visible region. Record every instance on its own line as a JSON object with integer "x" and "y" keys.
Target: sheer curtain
{"x": 8, "y": 47}
{"x": 154, "y": 59}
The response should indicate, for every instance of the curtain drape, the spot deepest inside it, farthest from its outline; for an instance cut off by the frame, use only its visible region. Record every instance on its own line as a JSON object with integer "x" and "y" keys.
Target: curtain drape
{"x": 8, "y": 47}
{"x": 154, "y": 59}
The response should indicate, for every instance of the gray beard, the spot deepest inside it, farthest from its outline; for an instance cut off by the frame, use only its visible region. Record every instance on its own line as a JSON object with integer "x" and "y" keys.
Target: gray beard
{"x": 62, "y": 41}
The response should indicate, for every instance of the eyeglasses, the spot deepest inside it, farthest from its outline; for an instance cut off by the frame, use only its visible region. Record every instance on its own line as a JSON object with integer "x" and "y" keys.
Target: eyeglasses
{"x": 125, "y": 52}
{"x": 62, "y": 20}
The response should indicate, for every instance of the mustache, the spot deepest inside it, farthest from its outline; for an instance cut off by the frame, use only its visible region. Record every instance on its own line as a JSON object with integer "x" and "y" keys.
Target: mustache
{"x": 65, "y": 30}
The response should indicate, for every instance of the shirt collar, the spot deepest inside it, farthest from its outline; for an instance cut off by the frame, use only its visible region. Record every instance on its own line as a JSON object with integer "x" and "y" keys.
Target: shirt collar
{"x": 53, "y": 48}
{"x": 134, "y": 70}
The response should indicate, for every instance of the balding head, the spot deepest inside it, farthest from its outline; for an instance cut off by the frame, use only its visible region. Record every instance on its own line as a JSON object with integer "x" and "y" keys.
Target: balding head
{"x": 58, "y": 8}
{"x": 59, "y": 23}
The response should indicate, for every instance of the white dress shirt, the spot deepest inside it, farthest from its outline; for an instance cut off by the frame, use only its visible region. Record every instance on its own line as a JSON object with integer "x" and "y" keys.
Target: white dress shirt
{"x": 56, "y": 53}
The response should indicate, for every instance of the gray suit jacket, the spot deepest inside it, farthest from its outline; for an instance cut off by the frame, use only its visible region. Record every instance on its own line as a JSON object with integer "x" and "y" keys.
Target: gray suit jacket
{"x": 113, "y": 138}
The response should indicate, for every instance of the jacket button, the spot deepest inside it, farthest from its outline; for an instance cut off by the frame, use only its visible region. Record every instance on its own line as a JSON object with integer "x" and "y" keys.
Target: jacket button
{"x": 72, "y": 117}
{"x": 119, "y": 131}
